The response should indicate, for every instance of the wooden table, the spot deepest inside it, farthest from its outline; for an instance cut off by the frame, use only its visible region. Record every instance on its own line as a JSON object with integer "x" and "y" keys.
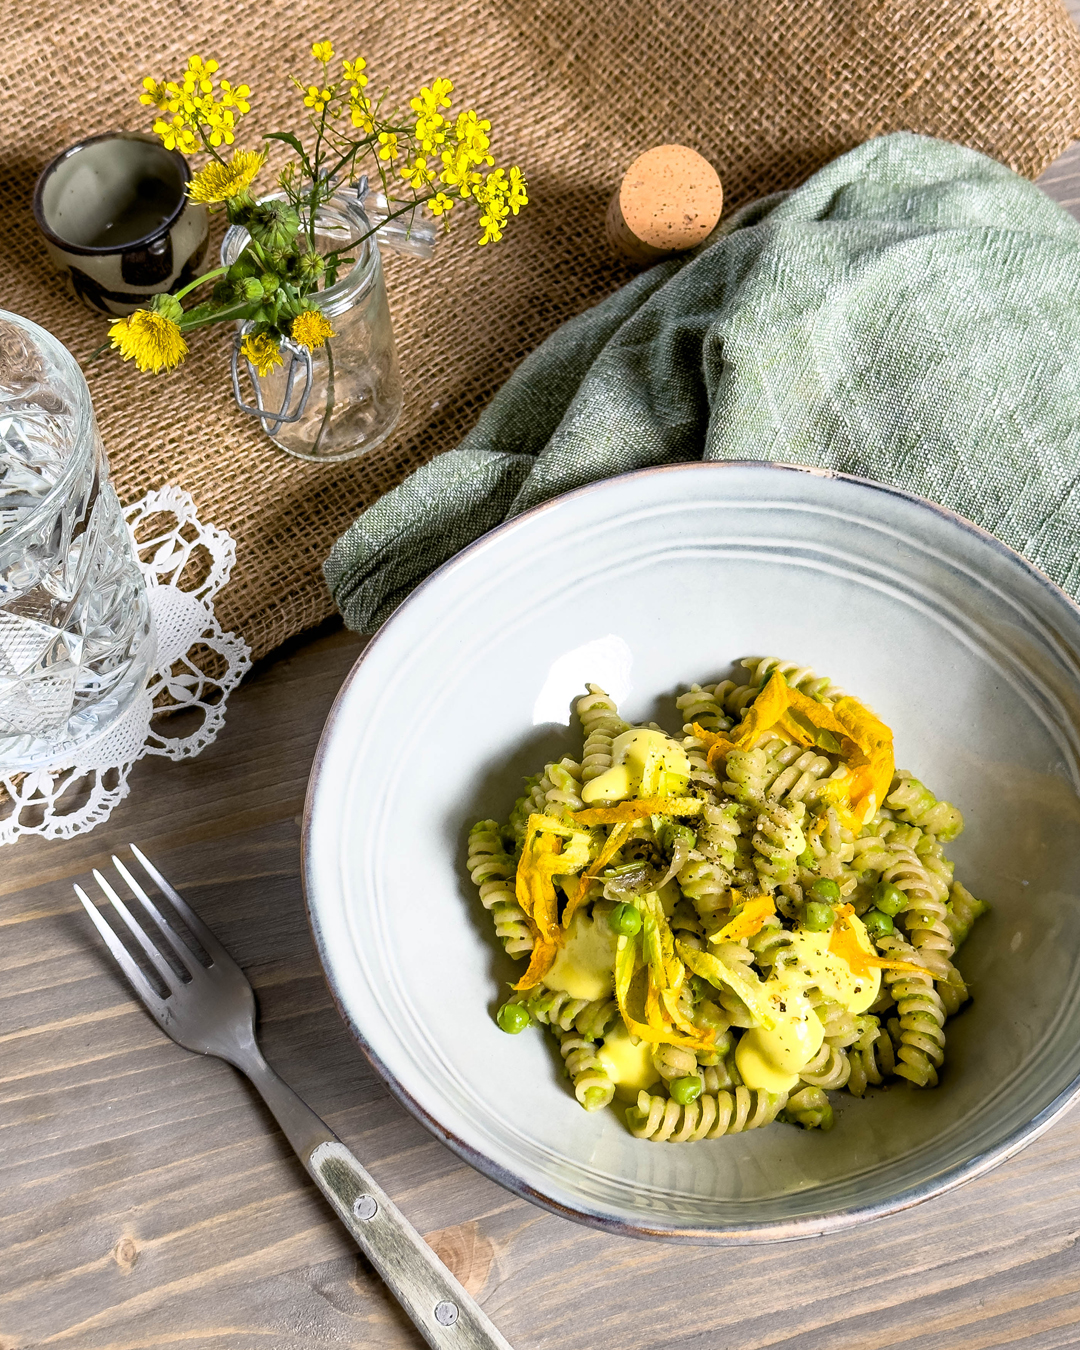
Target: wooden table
{"x": 148, "y": 1203}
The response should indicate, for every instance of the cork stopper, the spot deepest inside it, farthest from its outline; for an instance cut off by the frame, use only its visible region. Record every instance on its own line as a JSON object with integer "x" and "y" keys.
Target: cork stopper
{"x": 668, "y": 201}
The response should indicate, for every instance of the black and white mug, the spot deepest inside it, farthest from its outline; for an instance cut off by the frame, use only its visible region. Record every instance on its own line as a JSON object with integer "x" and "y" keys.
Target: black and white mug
{"x": 117, "y": 221}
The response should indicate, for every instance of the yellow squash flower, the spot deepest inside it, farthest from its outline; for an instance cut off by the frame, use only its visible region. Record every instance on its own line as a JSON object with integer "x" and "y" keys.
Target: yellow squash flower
{"x": 322, "y": 51}
{"x": 152, "y": 340}
{"x": 216, "y": 182}
{"x": 311, "y": 328}
{"x": 262, "y": 351}
{"x": 354, "y": 70}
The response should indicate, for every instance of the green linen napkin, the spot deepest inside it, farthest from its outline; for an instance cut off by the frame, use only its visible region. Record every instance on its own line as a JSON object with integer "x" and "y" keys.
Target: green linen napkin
{"x": 910, "y": 314}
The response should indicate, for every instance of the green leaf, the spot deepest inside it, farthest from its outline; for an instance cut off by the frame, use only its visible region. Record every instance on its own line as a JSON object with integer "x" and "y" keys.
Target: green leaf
{"x": 289, "y": 139}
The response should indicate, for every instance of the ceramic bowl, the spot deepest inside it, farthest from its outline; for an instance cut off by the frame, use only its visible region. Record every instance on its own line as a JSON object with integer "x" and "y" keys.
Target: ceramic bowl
{"x": 646, "y": 583}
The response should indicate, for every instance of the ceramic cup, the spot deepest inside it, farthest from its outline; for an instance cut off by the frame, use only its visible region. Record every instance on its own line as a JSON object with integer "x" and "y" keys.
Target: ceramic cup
{"x": 117, "y": 222}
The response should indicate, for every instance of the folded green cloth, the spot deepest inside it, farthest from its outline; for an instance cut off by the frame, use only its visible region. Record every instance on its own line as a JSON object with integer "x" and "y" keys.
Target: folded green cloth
{"x": 910, "y": 314}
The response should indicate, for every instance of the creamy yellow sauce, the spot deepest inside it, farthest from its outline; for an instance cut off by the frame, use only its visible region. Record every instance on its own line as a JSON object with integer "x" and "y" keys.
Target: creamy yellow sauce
{"x": 628, "y": 1063}
{"x": 644, "y": 763}
{"x": 772, "y": 1059}
{"x": 585, "y": 966}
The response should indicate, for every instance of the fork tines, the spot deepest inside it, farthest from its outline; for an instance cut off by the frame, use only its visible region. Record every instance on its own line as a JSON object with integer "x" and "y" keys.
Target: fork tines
{"x": 184, "y": 959}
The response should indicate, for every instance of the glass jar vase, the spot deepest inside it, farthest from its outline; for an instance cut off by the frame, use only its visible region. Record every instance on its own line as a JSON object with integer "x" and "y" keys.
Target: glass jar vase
{"x": 76, "y": 642}
{"x": 355, "y": 395}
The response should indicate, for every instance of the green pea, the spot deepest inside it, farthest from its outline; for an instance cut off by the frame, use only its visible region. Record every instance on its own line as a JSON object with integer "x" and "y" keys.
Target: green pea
{"x": 889, "y": 899}
{"x": 513, "y": 1017}
{"x": 685, "y": 1090}
{"x": 878, "y": 924}
{"x": 625, "y": 919}
{"x": 818, "y": 917}
{"x": 806, "y": 858}
{"x": 825, "y": 890}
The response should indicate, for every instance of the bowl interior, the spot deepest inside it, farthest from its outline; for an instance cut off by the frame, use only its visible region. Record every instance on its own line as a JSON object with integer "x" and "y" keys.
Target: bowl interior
{"x": 645, "y": 584}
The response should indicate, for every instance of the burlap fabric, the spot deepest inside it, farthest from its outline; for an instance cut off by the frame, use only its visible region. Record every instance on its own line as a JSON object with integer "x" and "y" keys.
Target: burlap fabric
{"x": 767, "y": 91}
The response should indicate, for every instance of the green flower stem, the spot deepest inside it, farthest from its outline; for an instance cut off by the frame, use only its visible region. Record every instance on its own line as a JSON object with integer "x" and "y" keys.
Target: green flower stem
{"x": 206, "y": 143}
{"x": 324, "y": 425}
{"x": 206, "y": 276}
{"x": 240, "y": 310}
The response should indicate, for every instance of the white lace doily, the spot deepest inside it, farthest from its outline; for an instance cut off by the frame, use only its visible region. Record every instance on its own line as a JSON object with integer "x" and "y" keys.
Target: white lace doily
{"x": 185, "y": 564}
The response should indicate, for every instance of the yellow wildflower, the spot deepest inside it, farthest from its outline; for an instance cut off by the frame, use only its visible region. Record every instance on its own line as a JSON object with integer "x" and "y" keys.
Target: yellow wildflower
{"x": 518, "y": 194}
{"x": 457, "y": 171}
{"x": 471, "y": 132}
{"x": 440, "y": 204}
{"x": 360, "y": 109}
{"x": 217, "y": 182}
{"x": 311, "y": 328}
{"x": 235, "y": 98}
{"x": 316, "y": 98}
{"x": 177, "y": 134}
{"x": 492, "y": 222}
{"x": 492, "y": 198}
{"x": 153, "y": 340}
{"x": 417, "y": 174}
{"x": 354, "y": 70}
{"x": 431, "y": 131}
{"x": 431, "y": 100}
{"x": 388, "y": 146}
{"x": 221, "y": 122}
{"x": 198, "y": 74}
{"x": 157, "y": 94}
{"x": 322, "y": 51}
{"x": 262, "y": 351}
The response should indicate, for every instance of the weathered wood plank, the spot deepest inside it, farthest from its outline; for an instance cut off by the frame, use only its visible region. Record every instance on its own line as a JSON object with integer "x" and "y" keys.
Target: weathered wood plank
{"x": 147, "y": 1201}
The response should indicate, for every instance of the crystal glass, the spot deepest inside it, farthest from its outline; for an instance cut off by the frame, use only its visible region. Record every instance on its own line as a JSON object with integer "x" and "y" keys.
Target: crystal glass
{"x": 75, "y": 634}
{"x": 355, "y": 398}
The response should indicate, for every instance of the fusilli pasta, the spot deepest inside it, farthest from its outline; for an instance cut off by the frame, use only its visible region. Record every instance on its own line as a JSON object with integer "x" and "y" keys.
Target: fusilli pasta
{"x": 725, "y": 927}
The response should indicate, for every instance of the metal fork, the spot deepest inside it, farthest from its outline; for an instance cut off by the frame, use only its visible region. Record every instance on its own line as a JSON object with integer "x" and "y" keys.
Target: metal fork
{"x": 210, "y": 1010}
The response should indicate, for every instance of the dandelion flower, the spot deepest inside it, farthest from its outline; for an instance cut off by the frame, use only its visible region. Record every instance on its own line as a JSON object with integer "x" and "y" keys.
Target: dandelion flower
{"x": 311, "y": 328}
{"x": 152, "y": 340}
{"x": 322, "y": 51}
{"x": 262, "y": 351}
{"x": 217, "y": 182}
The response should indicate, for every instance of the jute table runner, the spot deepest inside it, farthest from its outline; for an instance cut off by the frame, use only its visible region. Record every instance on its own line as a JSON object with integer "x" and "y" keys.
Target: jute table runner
{"x": 767, "y": 91}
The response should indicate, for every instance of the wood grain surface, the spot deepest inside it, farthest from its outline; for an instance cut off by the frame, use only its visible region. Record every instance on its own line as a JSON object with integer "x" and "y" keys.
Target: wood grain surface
{"x": 147, "y": 1202}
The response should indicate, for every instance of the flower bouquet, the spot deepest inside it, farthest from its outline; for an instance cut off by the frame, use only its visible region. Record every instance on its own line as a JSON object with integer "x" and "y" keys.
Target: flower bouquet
{"x": 291, "y": 256}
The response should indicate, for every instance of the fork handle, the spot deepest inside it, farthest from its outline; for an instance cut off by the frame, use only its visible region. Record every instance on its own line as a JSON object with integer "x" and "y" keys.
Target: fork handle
{"x": 447, "y": 1317}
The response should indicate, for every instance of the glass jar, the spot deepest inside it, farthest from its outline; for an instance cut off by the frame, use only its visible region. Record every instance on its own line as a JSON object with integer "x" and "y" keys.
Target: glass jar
{"x": 355, "y": 398}
{"x": 76, "y": 643}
